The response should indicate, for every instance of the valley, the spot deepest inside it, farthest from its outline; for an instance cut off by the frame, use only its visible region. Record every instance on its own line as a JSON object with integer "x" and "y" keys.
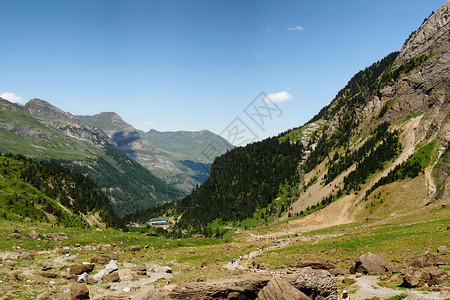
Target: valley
{"x": 356, "y": 199}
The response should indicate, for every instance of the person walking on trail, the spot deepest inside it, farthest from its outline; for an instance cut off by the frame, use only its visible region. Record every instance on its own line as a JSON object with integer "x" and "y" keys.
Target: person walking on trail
{"x": 345, "y": 295}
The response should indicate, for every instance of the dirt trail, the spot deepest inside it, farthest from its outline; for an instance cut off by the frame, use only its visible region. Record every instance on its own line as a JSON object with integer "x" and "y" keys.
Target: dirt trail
{"x": 368, "y": 288}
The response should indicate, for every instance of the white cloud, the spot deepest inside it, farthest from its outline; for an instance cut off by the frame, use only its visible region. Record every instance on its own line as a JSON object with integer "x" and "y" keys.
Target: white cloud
{"x": 11, "y": 97}
{"x": 278, "y": 97}
{"x": 150, "y": 123}
{"x": 296, "y": 28}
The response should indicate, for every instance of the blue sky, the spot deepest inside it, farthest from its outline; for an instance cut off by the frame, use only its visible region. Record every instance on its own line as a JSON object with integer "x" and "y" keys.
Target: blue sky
{"x": 193, "y": 65}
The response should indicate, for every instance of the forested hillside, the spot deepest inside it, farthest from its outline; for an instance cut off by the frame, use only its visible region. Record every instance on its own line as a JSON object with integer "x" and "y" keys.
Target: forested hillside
{"x": 243, "y": 181}
{"x": 48, "y": 192}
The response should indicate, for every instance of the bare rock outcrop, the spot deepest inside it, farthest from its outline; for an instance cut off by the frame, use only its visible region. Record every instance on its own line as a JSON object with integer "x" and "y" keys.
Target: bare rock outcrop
{"x": 317, "y": 284}
{"x": 280, "y": 289}
{"x": 248, "y": 285}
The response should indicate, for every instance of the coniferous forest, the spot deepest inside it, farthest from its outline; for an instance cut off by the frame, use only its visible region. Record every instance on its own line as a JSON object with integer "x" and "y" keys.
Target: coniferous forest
{"x": 73, "y": 190}
{"x": 242, "y": 181}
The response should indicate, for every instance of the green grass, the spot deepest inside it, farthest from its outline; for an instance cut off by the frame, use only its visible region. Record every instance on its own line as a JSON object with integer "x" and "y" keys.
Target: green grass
{"x": 385, "y": 241}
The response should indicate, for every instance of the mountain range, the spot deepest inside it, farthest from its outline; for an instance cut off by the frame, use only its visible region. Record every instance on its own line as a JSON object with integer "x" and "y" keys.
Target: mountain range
{"x": 175, "y": 157}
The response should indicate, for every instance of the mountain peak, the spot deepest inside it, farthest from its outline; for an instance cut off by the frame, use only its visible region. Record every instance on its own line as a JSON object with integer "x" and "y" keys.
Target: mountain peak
{"x": 432, "y": 36}
{"x": 48, "y": 113}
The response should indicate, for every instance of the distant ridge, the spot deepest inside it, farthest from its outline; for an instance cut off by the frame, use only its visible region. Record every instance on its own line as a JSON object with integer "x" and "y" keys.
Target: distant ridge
{"x": 42, "y": 131}
{"x": 175, "y": 157}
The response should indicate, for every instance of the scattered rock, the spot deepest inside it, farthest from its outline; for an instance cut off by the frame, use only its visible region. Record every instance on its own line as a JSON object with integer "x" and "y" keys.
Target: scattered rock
{"x": 72, "y": 277}
{"x": 10, "y": 263}
{"x": 57, "y": 236}
{"x": 140, "y": 269}
{"x": 47, "y": 296}
{"x": 83, "y": 277}
{"x": 105, "y": 247}
{"x": 442, "y": 249}
{"x": 368, "y": 263}
{"x": 79, "y": 291}
{"x": 427, "y": 260}
{"x": 127, "y": 275}
{"x": 280, "y": 289}
{"x": 48, "y": 274}
{"x": 112, "y": 277}
{"x": 80, "y": 269}
{"x": 132, "y": 248}
{"x": 15, "y": 235}
{"x": 64, "y": 250}
{"x": 91, "y": 281}
{"x": 104, "y": 259}
{"x": 428, "y": 276}
{"x": 166, "y": 269}
{"x": 16, "y": 275}
{"x": 28, "y": 254}
{"x": 34, "y": 235}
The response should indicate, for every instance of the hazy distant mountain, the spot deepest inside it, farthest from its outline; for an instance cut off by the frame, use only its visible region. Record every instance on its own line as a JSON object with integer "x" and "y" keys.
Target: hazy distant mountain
{"x": 191, "y": 144}
{"x": 175, "y": 157}
{"x": 42, "y": 131}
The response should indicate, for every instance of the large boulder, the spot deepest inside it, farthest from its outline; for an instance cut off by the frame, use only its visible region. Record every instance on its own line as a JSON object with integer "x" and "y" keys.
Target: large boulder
{"x": 133, "y": 248}
{"x": 80, "y": 269}
{"x": 317, "y": 284}
{"x": 369, "y": 263}
{"x": 112, "y": 277}
{"x": 79, "y": 291}
{"x": 442, "y": 249}
{"x": 280, "y": 289}
{"x": 104, "y": 259}
{"x": 57, "y": 236}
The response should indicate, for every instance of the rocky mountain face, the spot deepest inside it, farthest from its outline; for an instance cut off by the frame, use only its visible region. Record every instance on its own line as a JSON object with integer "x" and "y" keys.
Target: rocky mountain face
{"x": 42, "y": 131}
{"x": 65, "y": 123}
{"x": 175, "y": 157}
{"x": 412, "y": 95}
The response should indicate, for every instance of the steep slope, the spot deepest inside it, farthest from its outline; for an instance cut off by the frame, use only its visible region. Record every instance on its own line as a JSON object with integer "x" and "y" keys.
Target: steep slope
{"x": 175, "y": 157}
{"x": 48, "y": 192}
{"x": 379, "y": 148}
{"x": 41, "y": 131}
{"x": 411, "y": 93}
